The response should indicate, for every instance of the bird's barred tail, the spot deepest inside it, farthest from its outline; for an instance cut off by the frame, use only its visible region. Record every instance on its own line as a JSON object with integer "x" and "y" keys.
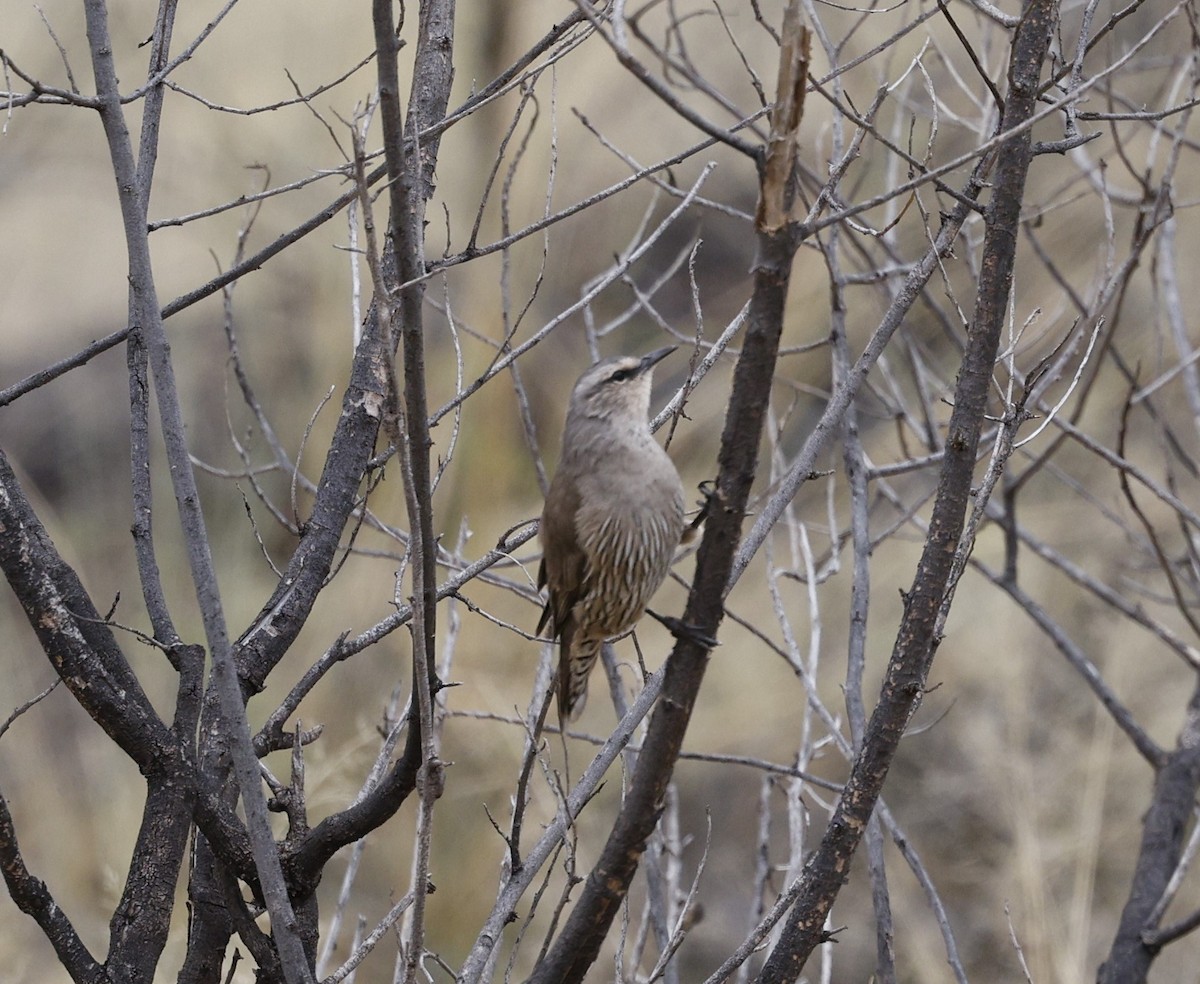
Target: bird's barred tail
{"x": 574, "y": 666}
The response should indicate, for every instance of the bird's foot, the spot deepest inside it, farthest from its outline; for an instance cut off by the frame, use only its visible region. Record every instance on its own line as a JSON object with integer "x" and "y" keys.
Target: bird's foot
{"x": 684, "y": 631}
{"x": 708, "y": 490}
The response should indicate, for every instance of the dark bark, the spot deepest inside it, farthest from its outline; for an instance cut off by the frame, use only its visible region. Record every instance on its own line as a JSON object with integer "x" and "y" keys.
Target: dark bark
{"x": 72, "y": 633}
{"x": 34, "y": 899}
{"x": 83, "y": 651}
{"x": 142, "y": 920}
{"x": 1134, "y": 947}
{"x": 209, "y": 923}
{"x": 828, "y": 867}
{"x": 85, "y": 654}
{"x": 142, "y": 527}
{"x": 139, "y": 925}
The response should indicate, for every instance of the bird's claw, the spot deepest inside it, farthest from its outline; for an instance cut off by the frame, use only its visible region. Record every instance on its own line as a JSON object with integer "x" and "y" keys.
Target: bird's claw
{"x": 708, "y": 491}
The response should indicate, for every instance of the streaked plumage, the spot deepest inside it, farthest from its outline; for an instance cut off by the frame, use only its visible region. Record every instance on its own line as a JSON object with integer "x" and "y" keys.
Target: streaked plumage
{"x": 612, "y": 521}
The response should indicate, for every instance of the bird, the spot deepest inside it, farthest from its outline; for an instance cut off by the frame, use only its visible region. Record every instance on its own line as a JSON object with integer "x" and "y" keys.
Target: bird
{"x": 612, "y": 520}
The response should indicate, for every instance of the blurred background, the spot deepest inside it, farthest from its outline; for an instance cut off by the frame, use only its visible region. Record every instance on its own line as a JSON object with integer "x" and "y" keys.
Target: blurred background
{"x": 1019, "y": 794}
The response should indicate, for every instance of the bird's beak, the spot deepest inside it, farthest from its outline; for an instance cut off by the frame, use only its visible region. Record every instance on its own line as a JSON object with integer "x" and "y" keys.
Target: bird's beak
{"x": 649, "y": 361}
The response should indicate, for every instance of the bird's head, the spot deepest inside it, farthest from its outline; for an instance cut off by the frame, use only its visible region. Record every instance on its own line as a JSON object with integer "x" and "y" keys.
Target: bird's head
{"x": 618, "y": 387}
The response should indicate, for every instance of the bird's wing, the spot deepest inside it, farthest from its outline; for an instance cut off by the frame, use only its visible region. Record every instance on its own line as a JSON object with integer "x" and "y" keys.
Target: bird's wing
{"x": 564, "y": 563}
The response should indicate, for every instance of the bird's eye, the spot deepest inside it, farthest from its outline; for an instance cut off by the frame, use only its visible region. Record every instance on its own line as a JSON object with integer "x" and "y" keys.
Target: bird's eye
{"x": 621, "y": 375}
